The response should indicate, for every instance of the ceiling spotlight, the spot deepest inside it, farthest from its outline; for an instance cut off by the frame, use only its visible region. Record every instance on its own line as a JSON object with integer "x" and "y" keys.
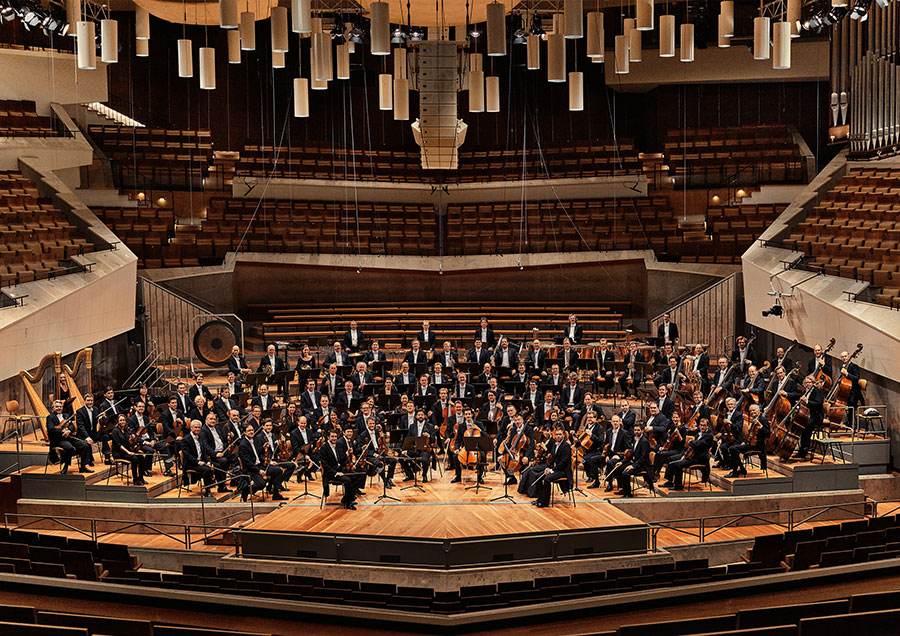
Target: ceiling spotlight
{"x": 31, "y": 18}
{"x": 519, "y": 36}
{"x": 8, "y": 13}
{"x": 774, "y": 310}
{"x": 475, "y": 33}
{"x": 536, "y": 28}
{"x": 397, "y": 36}
{"x": 337, "y": 31}
{"x": 860, "y": 9}
{"x": 416, "y": 34}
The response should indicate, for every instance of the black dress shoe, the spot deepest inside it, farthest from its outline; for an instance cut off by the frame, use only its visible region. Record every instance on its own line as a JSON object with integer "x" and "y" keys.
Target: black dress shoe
{"x": 594, "y": 484}
{"x": 540, "y": 505}
{"x": 425, "y": 480}
{"x": 389, "y": 484}
{"x": 278, "y": 497}
{"x": 64, "y": 469}
{"x": 455, "y": 480}
{"x": 666, "y": 484}
{"x": 85, "y": 469}
{"x": 222, "y": 489}
{"x": 733, "y": 474}
{"x": 360, "y": 492}
{"x": 350, "y": 506}
{"x": 140, "y": 483}
{"x": 608, "y": 487}
{"x": 207, "y": 493}
{"x": 677, "y": 487}
{"x": 244, "y": 496}
{"x": 168, "y": 473}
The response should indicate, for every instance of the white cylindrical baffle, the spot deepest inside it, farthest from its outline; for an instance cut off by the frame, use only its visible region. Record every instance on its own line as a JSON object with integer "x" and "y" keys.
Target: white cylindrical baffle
{"x": 573, "y": 19}
{"x": 761, "y": 38}
{"x": 476, "y": 91}
{"x": 279, "y": 28}
{"x": 793, "y": 16}
{"x": 726, "y": 10}
{"x": 556, "y": 58}
{"x": 621, "y": 54}
{"x": 496, "y": 29}
{"x": 401, "y": 99}
{"x": 533, "y": 52}
{"x": 644, "y": 15}
{"x": 207, "y": 56}
{"x": 109, "y": 41}
{"x": 687, "y": 42}
{"x": 576, "y": 91}
{"x": 73, "y": 17}
{"x": 86, "y": 34}
{"x": 594, "y": 44}
{"x": 492, "y": 94}
{"x": 385, "y": 92}
{"x": 228, "y": 14}
{"x": 248, "y": 31}
{"x": 185, "y": 59}
{"x": 380, "y": 29}
{"x": 142, "y": 48}
{"x": 234, "y": 47}
{"x": 301, "y": 97}
{"x": 301, "y": 16}
{"x": 343, "y": 61}
{"x": 634, "y": 46}
{"x": 781, "y": 45}
{"x": 724, "y": 40}
{"x": 141, "y": 22}
{"x": 667, "y": 36}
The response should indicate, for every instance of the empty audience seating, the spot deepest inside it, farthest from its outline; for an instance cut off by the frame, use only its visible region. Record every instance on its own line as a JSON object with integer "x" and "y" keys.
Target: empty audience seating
{"x": 18, "y": 118}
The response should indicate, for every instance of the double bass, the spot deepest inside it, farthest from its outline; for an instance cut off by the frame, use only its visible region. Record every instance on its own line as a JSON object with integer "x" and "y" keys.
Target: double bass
{"x": 822, "y": 379}
{"x": 836, "y": 400}
{"x": 777, "y": 411}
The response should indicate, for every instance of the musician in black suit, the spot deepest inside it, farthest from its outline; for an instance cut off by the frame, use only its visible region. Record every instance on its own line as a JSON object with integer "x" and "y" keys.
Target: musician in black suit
{"x": 542, "y": 413}
{"x": 538, "y": 358}
{"x": 633, "y": 375}
{"x": 618, "y": 438}
{"x": 518, "y": 440}
{"x": 361, "y": 376}
{"x": 376, "y": 463}
{"x": 733, "y": 424}
{"x": 421, "y": 460}
{"x": 699, "y": 412}
{"x": 780, "y": 360}
{"x": 424, "y": 389}
{"x": 786, "y": 386}
{"x": 354, "y": 339}
{"x": 820, "y": 361}
{"x": 664, "y": 402}
{"x": 559, "y": 467}
{"x": 743, "y": 354}
{"x": 573, "y": 330}
{"x": 268, "y": 447}
{"x": 754, "y": 386}
{"x": 224, "y": 404}
{"x": 185, "y": 403}
{"x": 463, "y": 390}
{"x": 657, "y": 421}
{"x": 446, "y": 356}
{"x": 120, "y": 447}
{"x": 110, "y": 407}
{"x": 640, "y": 462}
{"x": 303, "y": 443}
{"x": 701, "y": 447}
{"x": 701, "y": 366}
{"x": 334, "y": 457}
{"x": 627, "y": 416}
{"x": 233, "y": 383}
{"x": 760, "y": 426}
{"x": 469, "y": 424}
{"x": 506, "y": 355}
{"x": 593, "y": 457}
{"x": 144, "y": 429}
{"x": 667, "y": 331}
{"x": 675, "y": 436}
{"x": 199, "y": 389}
{"x": 606, "y": 366}
{"x": 214, "y": 442}
{"x": 170, "y": 416}
{"x": 426, "y": 336}
{"x": 572, "y": 397}
{"x": 337, "y": 355}
{"x": 271, "y": 359}
{"x": 722, "y": 379}
{"x": 237, "y": 363}
{"x": 554, "y": 379}
{"x": 263, "y": 400}
{"x": 814, "y": 399}
{"x": 478, "y": 354}
{"x": 568, "y": 357}
{"x": 374, "y": 354}
{"x": 251, "y": 464}
{"x": 196, "y": 459}
{"x": 850, "y": 370}
{"x": 415, "y": 355}
{"x": 309, "y": 399}
{"x": 63, "y": 434}
{"x": 86, "y": 422}
{"x": 485, "y": 333}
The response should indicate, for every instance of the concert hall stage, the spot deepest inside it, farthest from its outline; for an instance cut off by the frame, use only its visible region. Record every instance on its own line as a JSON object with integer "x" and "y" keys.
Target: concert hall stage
{"x": 444, "y": 535}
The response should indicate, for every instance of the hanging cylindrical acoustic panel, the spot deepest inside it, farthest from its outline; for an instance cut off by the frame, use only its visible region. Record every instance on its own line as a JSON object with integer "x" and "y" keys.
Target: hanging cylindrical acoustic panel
{"x": 277, "y": 59}
{"x": 573, "y": 16}
{"x": 279, "y": 27}
{"x": 343, "y": 61}
{"x": 141, "y": 21}
{"x": 724, "y": 40}
{"x": 556, "y": 58}
{"x": 476, "y": 91}
{"x": 621, "y": 54}
{"x": 594, "y": 44}
{"x": 301, "y": 17}
{"x": 301, "y": 97}
{"x": 185, "y": 59}
{"x": 73, "y": 17}
{"x": 385, "y": 91}
{"x": 634, "y": 46}
{"x": 475, "y": 62}
{"x": 839, "y": 3}
{"x": 326, "y": 59}
{"x": 109, "y": 41}
{"x": 781, "y": 45}
{"x": 726, "y": 10}
{"x": 351, "y": 46}
{"x": 207, "y": 68}
{"x": 85, "y": 40}
{"x": 234, "y": 47}
{"x": 793, "y": 12}
{"x": 687, "y": 42}
{"x": 492, "y": 94}
{"x": 667, "y": 36}
{"x": 380, "y": 29}
{"x": 496, "y": 29}
{"x": 142, "y": 48}
{"x": 576, "y": 91}
{"x": 533, "y": 52}
{"x": 761, "y": 38}
{"x": 644, "y": 15}
{"x": 248, "y": 31}
{"x": 400, "y": 71}
{"x": 628, "y": 25}
{"x": 401, "y": 99}
{"x": 228, "y": 14}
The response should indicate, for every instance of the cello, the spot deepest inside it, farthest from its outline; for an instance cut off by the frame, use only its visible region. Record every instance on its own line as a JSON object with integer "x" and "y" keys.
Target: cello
{"x": 836, "y": 400}
{"x": 469, "y": 458}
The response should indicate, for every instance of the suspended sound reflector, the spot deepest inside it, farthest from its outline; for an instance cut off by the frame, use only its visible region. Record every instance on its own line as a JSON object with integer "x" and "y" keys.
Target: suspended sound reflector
{"x": 576, "y": 91}
{"x": 318, "y": 85}
{"x": 109, "y": 41}
{"x": 207, "y": 68}
{"x": 726, "y": 10}
{"x": 142, "y": 48}
{"x": 73, "y": 17}
{"x": 301, "y": 97}
{"x": 228, "y": 14}
{"x": 838, "y": 3}
{"x": 781, "y": 43}
{"x": 141, "y": 21}
{"x": 401, "y": 99}
{"x": 185, "y": 59}
{"x": 556, "y": 58}
{"x": 492, "y": 94}
{"x": 385, "y": 91}
{"x": 400, "y": 63}
{"x": 644, "y": 15}
{"x": 634, "y": 46}
{"x": 761, "y": 38}
{"x": 594, "y": 42}
{"x": 301, "y": 18}
{"x": 667, "y": 36}
{"x": 277, "y": 59}
{"x": 687, "y": 42}
{"x": 85, "y": 40}
{"x": 724, "y": 40}
{"x": 279, "y": 27}
{"x": 326, "y": 63}
{"x": 533, "y": 52}
{"x": 380, "y": 29}
{"x": 343, "y": 61}
{"x": 476, "y": 91}
{"x": 628, "y": 25}
{"x": 234, "y": 47}
{"x": 621, "y": 54}
{"x": 476, "y": 62}
{"x": 496, "y": 29}
{"x": 573, "y": 16}
{"x": 248, "y": 31}
{"x": 793, "y": 17}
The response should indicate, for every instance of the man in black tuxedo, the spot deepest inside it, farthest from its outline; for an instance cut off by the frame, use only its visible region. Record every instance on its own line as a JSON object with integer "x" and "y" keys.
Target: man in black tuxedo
{"x": 593, "y": 457}
{"x": 701, "y": 445}
{"x": 233, "y": 383}
{"x": 754, "y": 386}
{"x": 405, "y": 379}
{"x": 196, "y": 459}
{"x": 572, "y": 397}
{"x": 110, "y": 407}
{"x": 568, "y": 357}
{"x": 374, "y": 354}
{"x": 664, "y": 402}
{"x": 618, "y": 438}
{"x": 506, "y": 355}
{"x": 251, "y": 464}
{"x": 424, "y": 389}
{"x": 478, "y": 354}
{"x": 814, "y": 399}
{"x": 354, "y": 339}
{"x": 742, "y": 355}
{"x": 469, "y": 423}
{"x": 657, "y": 422}
{"x": 786, "y": 386}
{"x": 426, "y": 336}
{"x": 361, "y": 377}
{"x": 199, "y": 389}
{"x": 415, "y": 355}
{"x": 667, "y": 330}
{"x": 170, "y": 416}
{"x": 86, "y": 422}
{"x": 264, "y": 400}
{"x": 640, "y": 461}
{"x": 446, "y": 356}
{"x": 237, "y": 363}
{"x": 559, "y": 467}
{"x": 554, "y": 379}
{"x": 573, "y": 330}
{"x": 420, "y": 460}
{"x": 224, "y": 404}
{"x": 463, "y": 389}
{"x": 820, "y": 361}
{"x": 758, "y": 420}
{"x": 538, "y": 358}
{"x": 274, "y": 361}
{"x": 277, "y": 472}
{"x": 63, "y": 434}
{"x": 304, "y": 438}
{"x": 734, "y": 421}
{"x": 722, "y": 380}
{"x": 780, "y": 360}
{"x": 185, "y": 403}
{"x": 213, "y": 438}
{"x": 850, "y": 370}
{"x": 627, "y": 416}
{"x": 485, "y": 333}
{"x": 309, "y": 399}
{"x": 337, "y": 356}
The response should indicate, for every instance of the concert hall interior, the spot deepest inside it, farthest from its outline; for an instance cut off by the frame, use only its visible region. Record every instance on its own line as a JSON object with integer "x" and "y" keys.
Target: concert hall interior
{"x": 472, "y": 316}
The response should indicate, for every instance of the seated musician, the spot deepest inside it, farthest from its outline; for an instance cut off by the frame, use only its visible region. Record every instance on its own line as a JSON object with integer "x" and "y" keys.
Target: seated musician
{"x": 626, "y": 414}
{"x": 754, "y": 386}
{"x": 337, "y": 356}
{"x": 334, "y": 458}
{"x": 272, "y": 361}
{"x": 786, "y": 386}
{"x": 237, "y": 363}
{"x": 438, "y": 377}
{"x": 142, "y": 396}
{"x": 486, "y": 374}
{"x": 376, "y": 462}
{"x": 545, "y": 408}
{"x": 639, "y": 464}
{"x": 573, "y": 330}
{"x": 407, "y": 415}
{"x": 781, "y": 360}
{"x": 361, "y": 377}
{"x": 664, "y": 402}
{"x": 199, "y": 410}
{"x": 530, "y": 479}
{"x": 415, "y": 355}
{"x": 700, "y": 448}
{"x": 759, "y": 433}
{"x": 742, "y": 354}
{"x": 631, "y": 378}
{"x": 264, "y": 399}
{"x": 538, "y": 358}
{"x": 722, "y": 380}
{"x": 426, "y": 336}
{"x": 224, "y": 403}
{"x": 354, "y": 339}
{"x": 568, "y": 357}
{"x": 617, "y": 441}
{"x": 278, "y": 472}
{"x": 234, "y": 428}
{"x": 309, "y": 399}
{"x": 478, "y": 354}
{"x": 440, "y": 409}
{"x": 656, "y": 422}
{"x": 572, "y": 397}
{"x": 494, "y": 385}
{"x": 199, "y": 388}
{"x": 185, "y": 403}
{"x": 593, "y": 456}
{"x": 63, "y": 434}
{"x": 675, "y": 436}
{"x": 589, "y": 406}
{"x": 559, "y": 467}
{"x": 255, "y": 417}
{"x": 86, "y": 419}
{"x": 213, "y": 438}
{"x": 731, "y": 431}
{"x": 533, "y": 395}
{"x": 492, "y": 410}
{"x": 554, "y": 379}
{"x": 606, "y": 359}
{"x": 521, "y": 375}
{"x": 424, "y": 388}
{"x": 417, "y": 460}
{"x": 389, "y": 388}
{"x": 145, "y": 431}
{"x": 469, "y": 423}
{"x": 850, "y": 370}
{"x": 233, "y": 383}
{"x": 307, "y": 361}
{"x": 332, "y": 383}
{"x": 699, "y": 412}
{"x": 303, "y": 443}
{"x": 485, "y": 333}
{"x": 506, "y": 355}
{"x": 525, "y": 451}
{"x": 374, "y": 354}
{"x": 814, "y": 399}
{"x": 661, "y": 355}
{"x": 463, "y": 390}
{"x": 120, "y": 446}
{"x": 446, "y": 356}
{"x": 701, "y": 366}
{"x": 346, "y": 400}
{"x": 289, "y": 418}
{"x": 195, "y": 457}
{"x": 404, "y": 379}
{"x": 251, "y": 464}
{"x": 669, "y": 375}
{"x": 820, "y": 362}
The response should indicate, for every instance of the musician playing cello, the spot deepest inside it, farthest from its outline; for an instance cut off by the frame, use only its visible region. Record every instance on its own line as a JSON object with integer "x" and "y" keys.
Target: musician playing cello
{"x": 522, "y": 450}
{"x": 469, "y": 425}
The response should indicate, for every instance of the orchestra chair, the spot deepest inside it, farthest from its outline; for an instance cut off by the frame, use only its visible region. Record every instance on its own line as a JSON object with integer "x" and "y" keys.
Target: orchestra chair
{"x": 241, "y": 479}
{"x": 648, "y": 482}
{"x": 748, "y": 455}
{"x": 120, "y": 467}
{"x": 184, "y": 483}
{"x": 570, "y": 494}
{"x": 700, "y": 467}
{"x": 326, "y": 488}
{"x": 55, "y": 456}
{"x": 827, "y": 445}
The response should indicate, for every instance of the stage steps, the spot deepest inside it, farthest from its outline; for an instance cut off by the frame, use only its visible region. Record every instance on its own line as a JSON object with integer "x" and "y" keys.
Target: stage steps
{"x": 790, "y": 477}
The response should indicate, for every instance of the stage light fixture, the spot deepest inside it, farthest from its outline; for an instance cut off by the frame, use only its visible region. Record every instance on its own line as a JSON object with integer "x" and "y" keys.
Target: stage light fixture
{"x": 536, "y": 28}
{"x": 774, "y": 310}
{"x": 474, "y": 33}
{"x": 519, "y": 36}
{"x": 416, "y": 34}
{"x": 397, "y": 36}
{"x": 860, "y": 9}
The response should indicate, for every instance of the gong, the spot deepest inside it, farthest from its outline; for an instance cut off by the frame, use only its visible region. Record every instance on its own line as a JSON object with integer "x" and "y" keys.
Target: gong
{"x": 213, "y": 342}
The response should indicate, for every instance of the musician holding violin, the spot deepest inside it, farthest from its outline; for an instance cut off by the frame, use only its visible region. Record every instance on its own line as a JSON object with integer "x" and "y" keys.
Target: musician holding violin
{"x": 62, "y": 432}
{"x": 731, "y": 430}
{"x": 278, "y": 472}
{"x": 618, "y": 441}
{"x": 559, "y": 467}
{"x": 758, "y": 433}
{"x": 253, "y": 465}
{"x": 637, "y": 463}
{"x": 673, "y": 447}
{"x": 303, "y": 443}
{"x": 590, "y": 439}
{"x": 195, "y": 457}
{"x": 143, "y": 431}
{"x": 121, "y": 449}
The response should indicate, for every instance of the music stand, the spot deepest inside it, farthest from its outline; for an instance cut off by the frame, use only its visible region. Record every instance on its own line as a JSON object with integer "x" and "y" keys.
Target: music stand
{"x": 306, "y": 492}
{"x": 417, "y": 444}
{"x": 384, "y": 494}
{"x": 255, "y": 379}
{"x": 505, "y": 494}
{"x": 469, "y": 368}
{"x": 274, "y": 413}
{"x": 306, "y": 374}
{"x": 483, "y": 445}
{"x": 388, "y": 402}
{"x": 282, "y": 379}
{"x": 417, "y": 370}
{"x": 381, "y": 368}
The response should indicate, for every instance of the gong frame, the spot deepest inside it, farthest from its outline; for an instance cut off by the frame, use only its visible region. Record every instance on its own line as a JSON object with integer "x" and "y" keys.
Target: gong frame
{"x": 208, "y": 317}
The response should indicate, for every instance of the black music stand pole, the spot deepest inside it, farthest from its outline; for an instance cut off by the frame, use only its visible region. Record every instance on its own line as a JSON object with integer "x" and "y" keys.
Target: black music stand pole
{"x": 575, "y": 487}
{"x": 306, "y": 492}
{"x": 412, "y": 443}
{"x": 384, "y": 494}
{"x": 483, "y": 445}
{"x": 505, "y": 494}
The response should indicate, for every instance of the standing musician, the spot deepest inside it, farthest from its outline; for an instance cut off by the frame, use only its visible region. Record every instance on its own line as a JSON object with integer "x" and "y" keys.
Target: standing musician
{"x": 743, "y": 354}
{"x": 759, "y": 433}
{"x": 145, "y": 432}
{"x": 606, "y": 358}
{"x": 573, "y": 330}
{"x": 631, "y": 378}
{"x": 469, "y": 423}
{"x": 353, "y": 338}
{"x": 377, "y": 461}
{"x": 415, "y": 355}
{"x": 478, "y": 354}
{"x": 303, "y": 443}
{"x": 786, "y": 386}
{"x": 593, "y": 457}
{"x": 731, "y": 430}
{"x": 559, "y": 467}
{"x": 780, "y": 360}
{"x": 418, "y": 460}
{"x": 525, "y": 453}
{"x": 121, "y": 449}
{"x": 212, "y": 440}
{"x": 700, "y": 448}
{"x": 572, "y": 398}
{"x": 237, "y": 363}
{"x": 754, "y": 386}
{"x": 667, "y": 331}
{"x": 538, "y": 358}
{"x": 618, "y": 440}
{"x": 814, "y": 399}
{"x": 820, "y": 361}
{"x": 426, "y": 336}
{"x": 849, "y": 370}
{"x": 331, "y": 383}
{"x": 279, "y": 473}
{"x": 86, "y": 424}
{"x": 639, "y": 464}
{"x": 568, "y": 357}
{"x": 485, "y": 333}
{"x": 196, "y": 459}
{"x": 63, "y": 434}
{"x": 170, "y": 417}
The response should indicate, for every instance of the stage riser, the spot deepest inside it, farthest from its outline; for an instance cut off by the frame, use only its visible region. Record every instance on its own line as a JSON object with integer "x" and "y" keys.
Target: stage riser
{"x": 743, "y": 487}
{"x": 872, "y": 456}
{"x": 8, "y": 460}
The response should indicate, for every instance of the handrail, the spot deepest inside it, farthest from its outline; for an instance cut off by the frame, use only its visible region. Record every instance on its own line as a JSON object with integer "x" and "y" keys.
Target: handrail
{"x": 694, "y": 295}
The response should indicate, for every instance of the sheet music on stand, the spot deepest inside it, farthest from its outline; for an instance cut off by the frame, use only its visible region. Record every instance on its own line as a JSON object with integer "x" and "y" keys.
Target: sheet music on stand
{"x": 388, "y": 402}
{"x": 417, "y": 444}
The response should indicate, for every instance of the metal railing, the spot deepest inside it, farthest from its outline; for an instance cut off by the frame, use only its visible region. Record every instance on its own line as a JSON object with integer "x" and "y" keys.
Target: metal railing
{"x": 709, "y": 316}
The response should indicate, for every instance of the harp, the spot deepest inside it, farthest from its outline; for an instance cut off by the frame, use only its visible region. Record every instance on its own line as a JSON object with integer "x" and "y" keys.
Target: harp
{"x": 31, "y": 381}
{"x": 70, "y": 373}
